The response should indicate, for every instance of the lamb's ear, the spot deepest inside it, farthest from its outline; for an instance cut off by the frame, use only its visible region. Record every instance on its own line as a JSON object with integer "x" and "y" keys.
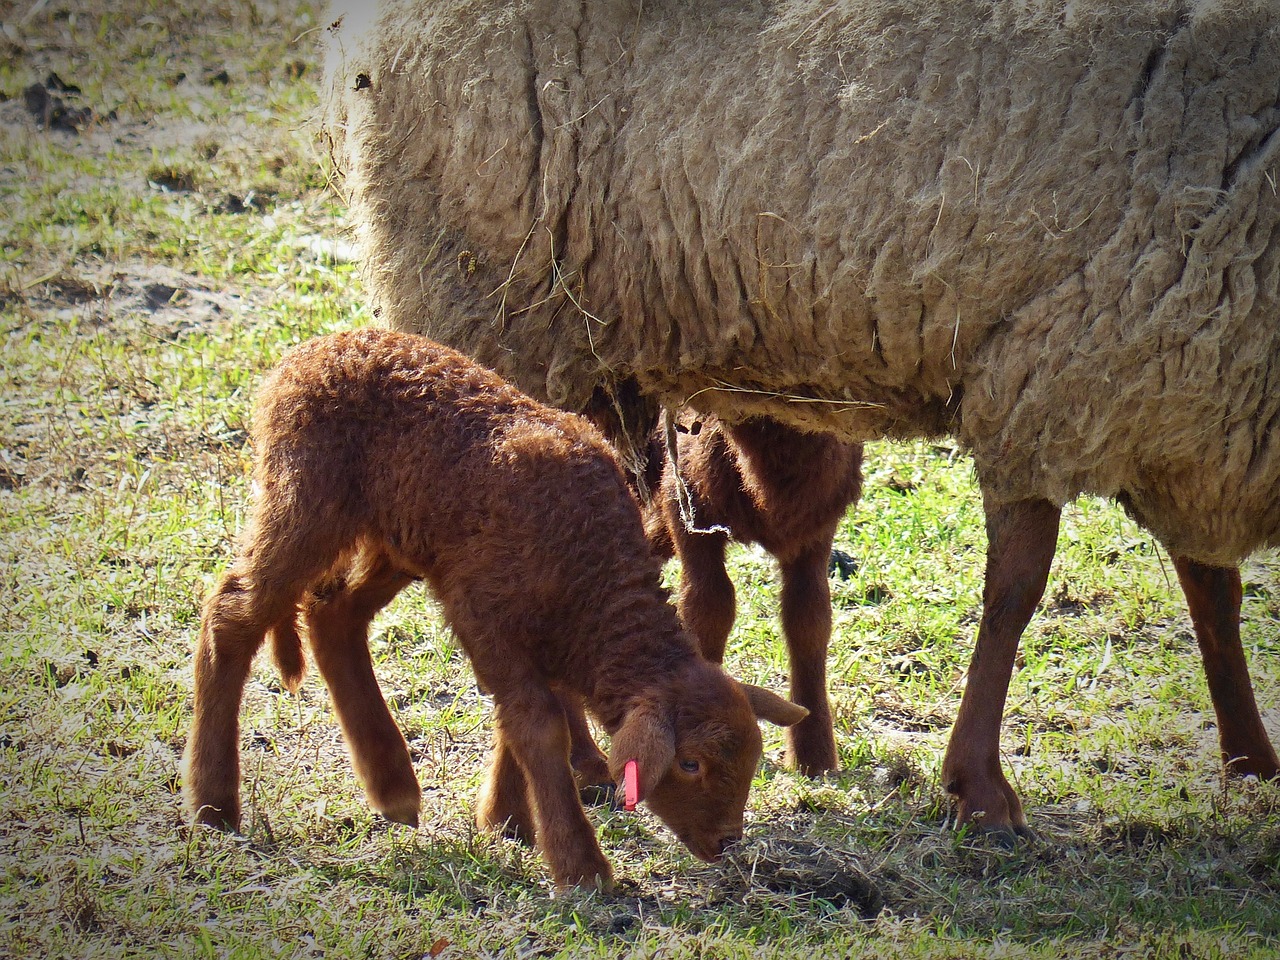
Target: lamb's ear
{"x": 647, "y": 738}
{"x": 769, "y": 706}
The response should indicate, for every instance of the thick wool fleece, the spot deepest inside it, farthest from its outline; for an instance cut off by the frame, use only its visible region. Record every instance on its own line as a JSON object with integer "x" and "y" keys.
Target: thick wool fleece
{"x": 1049, "y": 228}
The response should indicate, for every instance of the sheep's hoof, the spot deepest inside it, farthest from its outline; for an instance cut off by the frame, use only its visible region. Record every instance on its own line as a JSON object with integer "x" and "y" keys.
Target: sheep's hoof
{"x": 841, "y": 565}
{"x": 1243, "y": 767}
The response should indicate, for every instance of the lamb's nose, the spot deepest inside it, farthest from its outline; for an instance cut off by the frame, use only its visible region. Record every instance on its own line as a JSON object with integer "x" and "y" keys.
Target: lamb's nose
{"x": 728, "y": 840}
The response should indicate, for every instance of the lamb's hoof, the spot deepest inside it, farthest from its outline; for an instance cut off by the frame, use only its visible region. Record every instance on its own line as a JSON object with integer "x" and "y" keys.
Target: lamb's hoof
{"x": 597, "y": 878}
{"x": 408, "y": 819}
{"x": 810, "y": 761}
{"x": 813, "y": 771}
{"x": 598, "y": 794}
{"x": 841, "y": 565}
{"x": 1007, "y": 836}
{"x": 225, "y": 818}
{"x": 401, "y": 811}
{"x": 511, "y": 829}
{"x": 591, "y": 775}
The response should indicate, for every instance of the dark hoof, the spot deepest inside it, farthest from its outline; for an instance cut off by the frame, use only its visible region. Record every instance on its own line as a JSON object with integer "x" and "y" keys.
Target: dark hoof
{"x": 841, "y": 565}
{"x": 214, "y": 818}
{"x": 1004, "y": 835}
{"x": 597, "y": 794}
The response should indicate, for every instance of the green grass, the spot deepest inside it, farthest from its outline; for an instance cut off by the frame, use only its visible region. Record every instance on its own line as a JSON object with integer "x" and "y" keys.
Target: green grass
{"x": 122, "y": 482}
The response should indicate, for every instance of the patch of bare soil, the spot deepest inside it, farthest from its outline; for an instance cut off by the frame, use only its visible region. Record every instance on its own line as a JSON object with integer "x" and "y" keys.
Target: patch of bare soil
{"x": 175, "y": 302}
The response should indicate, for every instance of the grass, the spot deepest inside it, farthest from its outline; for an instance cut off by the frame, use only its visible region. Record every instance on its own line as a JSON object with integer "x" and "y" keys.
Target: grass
{"x": 152, "y": 266}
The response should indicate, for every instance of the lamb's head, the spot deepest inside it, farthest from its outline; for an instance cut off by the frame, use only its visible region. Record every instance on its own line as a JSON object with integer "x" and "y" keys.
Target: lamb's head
{"x": 692, "y": 755}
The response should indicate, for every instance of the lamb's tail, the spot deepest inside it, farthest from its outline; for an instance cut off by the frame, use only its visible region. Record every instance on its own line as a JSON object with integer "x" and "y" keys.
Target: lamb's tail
{"x": 286, "y": 650}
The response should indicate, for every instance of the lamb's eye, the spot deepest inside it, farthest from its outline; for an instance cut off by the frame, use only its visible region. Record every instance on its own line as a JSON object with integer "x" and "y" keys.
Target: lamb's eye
{"x": 690, "y": 766}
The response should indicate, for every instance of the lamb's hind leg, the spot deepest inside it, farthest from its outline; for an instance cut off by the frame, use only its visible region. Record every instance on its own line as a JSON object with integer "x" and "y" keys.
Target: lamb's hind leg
{"x": 1021, "y": 539}
{"x": 259, "y": 592}
{"x": 338, "y": 618}
{"x": 1213, "y": 597}
{"x": 806, "y": 623}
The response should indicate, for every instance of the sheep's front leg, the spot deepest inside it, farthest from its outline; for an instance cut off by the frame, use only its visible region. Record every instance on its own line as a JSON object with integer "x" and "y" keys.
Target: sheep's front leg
{"x": 1021, "y": 540}
{"x": 806, "y": 623}
{"x": 338, "y": 627}
{"x": 1213, "y": 596}
{"x": 531, "y": 725}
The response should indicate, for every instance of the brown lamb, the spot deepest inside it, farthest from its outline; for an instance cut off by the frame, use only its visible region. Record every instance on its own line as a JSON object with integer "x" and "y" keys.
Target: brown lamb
{"x": 383, "y": 458}
{"x": 761, "y": 481}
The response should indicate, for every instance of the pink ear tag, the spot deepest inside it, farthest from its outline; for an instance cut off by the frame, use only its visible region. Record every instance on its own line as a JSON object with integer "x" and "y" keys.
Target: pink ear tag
{"x": 630, "y": 785}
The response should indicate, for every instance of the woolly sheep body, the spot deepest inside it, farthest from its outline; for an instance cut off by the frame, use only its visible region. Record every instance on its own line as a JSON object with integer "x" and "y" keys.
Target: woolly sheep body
{"x": 1049, "y": 229}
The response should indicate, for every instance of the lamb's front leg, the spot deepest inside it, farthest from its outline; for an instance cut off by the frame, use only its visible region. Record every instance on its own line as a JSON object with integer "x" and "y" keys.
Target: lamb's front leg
{"x": 806, "y": 623}
{"x": 503, "y": 806}
{"x": 590, "y": 765}
{"x": 532, "y": 726}
{"x": 708, "y": 605}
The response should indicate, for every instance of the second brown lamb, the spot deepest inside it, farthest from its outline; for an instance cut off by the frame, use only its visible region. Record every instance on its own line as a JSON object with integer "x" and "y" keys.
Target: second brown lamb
{"x": 384, "y": 458}
{"x": 763, "y": 482}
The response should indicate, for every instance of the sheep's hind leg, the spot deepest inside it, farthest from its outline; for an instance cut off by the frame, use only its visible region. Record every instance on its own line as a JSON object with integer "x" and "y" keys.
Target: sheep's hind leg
{"x": 1021, "y": 539}
{"x": 806, "y": 623}
{"x": 338, "y": 618}
{"x": 1214, "y": 596}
